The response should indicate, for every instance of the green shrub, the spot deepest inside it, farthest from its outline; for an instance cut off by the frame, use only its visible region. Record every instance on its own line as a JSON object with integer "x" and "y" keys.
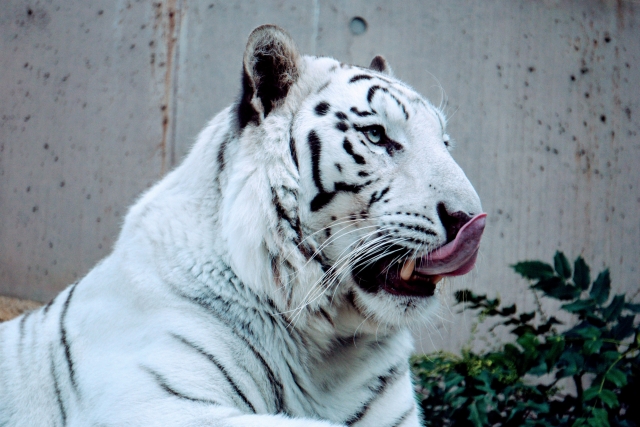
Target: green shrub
{"x": 527, "y": 382}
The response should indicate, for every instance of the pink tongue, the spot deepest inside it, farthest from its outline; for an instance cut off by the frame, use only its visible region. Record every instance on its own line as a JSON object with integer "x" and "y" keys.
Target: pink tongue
{"x": 457, "y": 257}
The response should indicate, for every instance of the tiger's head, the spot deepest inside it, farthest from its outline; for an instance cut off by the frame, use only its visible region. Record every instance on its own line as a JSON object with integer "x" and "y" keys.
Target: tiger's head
{"x": 347, "y": 171}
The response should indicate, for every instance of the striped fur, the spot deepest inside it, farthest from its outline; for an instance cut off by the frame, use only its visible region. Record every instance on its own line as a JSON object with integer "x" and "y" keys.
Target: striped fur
{"x": 229, "y": 298}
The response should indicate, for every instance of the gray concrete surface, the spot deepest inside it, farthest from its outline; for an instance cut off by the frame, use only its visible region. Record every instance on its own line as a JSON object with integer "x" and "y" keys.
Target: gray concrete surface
{"x": 101, "y": 98}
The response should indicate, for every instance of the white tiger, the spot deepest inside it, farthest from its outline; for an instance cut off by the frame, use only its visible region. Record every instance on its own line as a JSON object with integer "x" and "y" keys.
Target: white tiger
{"x": 270, "y": 279}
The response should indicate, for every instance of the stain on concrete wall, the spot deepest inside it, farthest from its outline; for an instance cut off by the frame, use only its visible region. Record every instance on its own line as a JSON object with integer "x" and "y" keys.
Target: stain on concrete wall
{"x": 100, "y": 99}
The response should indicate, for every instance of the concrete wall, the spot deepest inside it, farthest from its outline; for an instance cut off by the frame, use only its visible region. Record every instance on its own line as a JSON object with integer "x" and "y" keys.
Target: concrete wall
{"x": 101, "y": 98}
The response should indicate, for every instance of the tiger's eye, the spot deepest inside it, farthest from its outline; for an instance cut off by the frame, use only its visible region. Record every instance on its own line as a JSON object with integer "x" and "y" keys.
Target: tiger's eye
{"x": 374, "y": 134}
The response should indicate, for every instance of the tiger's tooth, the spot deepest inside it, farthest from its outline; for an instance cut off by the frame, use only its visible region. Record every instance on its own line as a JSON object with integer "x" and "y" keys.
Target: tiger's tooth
{"x": 407, "y": 269}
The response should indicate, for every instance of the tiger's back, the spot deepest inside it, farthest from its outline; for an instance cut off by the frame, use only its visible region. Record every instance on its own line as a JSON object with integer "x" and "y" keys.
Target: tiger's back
{"x": 271, "y": 277}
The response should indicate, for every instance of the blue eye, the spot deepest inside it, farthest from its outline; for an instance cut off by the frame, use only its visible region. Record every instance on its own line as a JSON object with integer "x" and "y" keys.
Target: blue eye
{"x": 375, "y": 134}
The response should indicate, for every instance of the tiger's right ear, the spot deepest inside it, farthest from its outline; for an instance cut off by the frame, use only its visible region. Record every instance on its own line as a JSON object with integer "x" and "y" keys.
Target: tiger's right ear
{"x": 380, "y": 64}
{"x": 270, "y": 67}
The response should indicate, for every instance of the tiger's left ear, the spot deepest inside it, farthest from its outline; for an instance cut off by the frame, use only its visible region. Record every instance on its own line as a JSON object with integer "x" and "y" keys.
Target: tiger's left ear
{"x": 380, "y": 64}
{"x": 270, "y": 66}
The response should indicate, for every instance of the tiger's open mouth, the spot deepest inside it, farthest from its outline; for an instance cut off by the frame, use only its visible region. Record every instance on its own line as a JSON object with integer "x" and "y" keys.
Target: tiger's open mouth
{"x": 419, "y": 276}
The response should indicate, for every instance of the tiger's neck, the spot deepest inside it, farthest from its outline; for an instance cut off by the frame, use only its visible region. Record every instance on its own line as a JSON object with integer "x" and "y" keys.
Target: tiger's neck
{"x": 240, "y": 209}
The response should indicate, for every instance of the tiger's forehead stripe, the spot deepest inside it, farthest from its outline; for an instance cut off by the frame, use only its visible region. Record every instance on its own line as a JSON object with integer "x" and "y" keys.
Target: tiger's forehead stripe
{"x": 374, "y": 89}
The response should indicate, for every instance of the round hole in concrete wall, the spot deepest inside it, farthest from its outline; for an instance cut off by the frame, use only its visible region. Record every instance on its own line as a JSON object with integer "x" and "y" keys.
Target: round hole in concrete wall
{"x": 357, "y": 26}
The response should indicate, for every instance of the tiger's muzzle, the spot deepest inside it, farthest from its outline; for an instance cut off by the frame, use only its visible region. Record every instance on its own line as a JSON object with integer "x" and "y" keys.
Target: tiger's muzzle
{"x": 419, "y": 276}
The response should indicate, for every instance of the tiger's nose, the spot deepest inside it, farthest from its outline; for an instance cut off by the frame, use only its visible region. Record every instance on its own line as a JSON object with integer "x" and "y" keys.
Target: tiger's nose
{"x": 453, "y": 221}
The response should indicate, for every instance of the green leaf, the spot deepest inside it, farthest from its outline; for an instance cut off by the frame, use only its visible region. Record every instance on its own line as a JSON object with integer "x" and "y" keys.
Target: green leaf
{"x": 601, "y": 287}
{"x": 609, "y": 398}
{"x": 453, "y": 380}
{"x": 556, "y": 347}
{"x": 534, "y": 270}
{"x": 539, "y": 370}
{"x": 555, "y": 287}
{"x": 614, "y": 309}
{"x": 463, "y": 295}
{"x": 610, "y": 357}
{"x": 528, "y": 342}
{"x": 571, "y": 363}
{"x": 474, "y": 415}
{"x": 523, "y": 329}
{"x": 564, "y": 292}
{"x": 561, "y": 265}
{"x": 591, "y": 393}
{"x": 623, "y": 329}
{"x": 617, "y": 377}
{"x": 592, "y": 346}
{"x": 598, "y": 421}
{"x": 634, "y": 308}
{"x": 581, "y": 275}
{"x": 587, "y": 331}
{"x": 600, "y": 416}
{"x": 578, "y": 306}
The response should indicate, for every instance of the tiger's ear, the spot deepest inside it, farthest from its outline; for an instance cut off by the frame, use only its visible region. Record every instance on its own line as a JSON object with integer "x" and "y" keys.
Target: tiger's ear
{"x": 270, "y": 66}
{"x": 380, "y": 64}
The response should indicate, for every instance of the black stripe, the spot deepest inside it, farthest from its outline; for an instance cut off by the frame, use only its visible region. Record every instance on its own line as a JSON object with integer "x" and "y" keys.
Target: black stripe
{"x": 280, "y": 211}
{"x": 383, "y": 382}
{"x": 275, "y": 270}
{"x": 342, "y": 126}
{"x": 372, "y": 91}
{"x": 348, "y": 147}
{"x": 294, "y": 152}
{"x": 351, "y": 299}
{"x": 322, "y": 108}
{"x": 416, "y": 228}
{"x": 21, "y": 339}
{"x": 308, "y": 396}
{"x": 221, "y": 151}
{"x": 65, "y": 342}
{"x": 164, "y": 385}
{"x": 324, "y": 198}
{"x": 403, "y": 417}
{"x": 321, "y": 200}
{"x": 315, "y": 147}
{"x": 404, "y": 109}
{"x": 48, "y": 306}
{"x": 326, "y": 316}
{"x": 56, "y": 389}
{"x": 350, "y": 188}
{"x": 276, "y": 384}
{"x": 221, "y": 368}
{"x": 375, "y": 197}
{"x": 296, "y": 380}
{"x": 360, "y": 77}
{"x": 324, "y": 86}
{"x": 278, "y": 388}
{"x": 340, "y": 115}
{"x": 357, "y": 112}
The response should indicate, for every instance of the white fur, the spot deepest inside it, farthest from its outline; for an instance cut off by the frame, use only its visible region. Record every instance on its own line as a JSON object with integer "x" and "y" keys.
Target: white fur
{"x": 192, "y": 279}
